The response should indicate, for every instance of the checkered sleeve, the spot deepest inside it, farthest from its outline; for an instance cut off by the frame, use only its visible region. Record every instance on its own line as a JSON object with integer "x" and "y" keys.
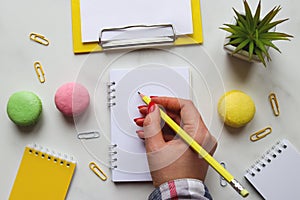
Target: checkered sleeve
{"x": 181, "y": 189}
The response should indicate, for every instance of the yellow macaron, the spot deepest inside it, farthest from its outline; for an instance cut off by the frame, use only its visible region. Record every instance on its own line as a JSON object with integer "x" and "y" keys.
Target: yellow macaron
{"x": 236, "y": 108}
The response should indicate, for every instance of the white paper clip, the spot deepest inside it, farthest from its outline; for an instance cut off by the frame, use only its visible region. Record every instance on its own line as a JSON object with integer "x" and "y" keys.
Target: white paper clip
{"x": 88, "y": 135}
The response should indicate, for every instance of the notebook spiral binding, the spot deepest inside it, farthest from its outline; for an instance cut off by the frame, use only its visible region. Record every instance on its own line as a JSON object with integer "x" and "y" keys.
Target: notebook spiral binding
{"x": 111, "y": 94}
{"x": 267, "y": 158}
{"x": 56, "y": 157}
{"x": 113, "y": 158}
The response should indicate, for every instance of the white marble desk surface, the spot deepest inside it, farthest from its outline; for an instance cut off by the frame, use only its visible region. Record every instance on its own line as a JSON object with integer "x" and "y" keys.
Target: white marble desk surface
{"x": 53, "y": 19}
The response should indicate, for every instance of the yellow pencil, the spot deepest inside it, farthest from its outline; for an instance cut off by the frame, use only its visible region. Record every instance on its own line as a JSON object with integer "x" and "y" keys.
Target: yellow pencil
{"x": 200, "y": 150}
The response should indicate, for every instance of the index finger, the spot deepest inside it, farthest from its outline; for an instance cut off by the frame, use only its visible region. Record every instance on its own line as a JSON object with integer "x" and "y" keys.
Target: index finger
{"x": 169, "y": 103}
{"x": 174, "y": 104}
{"x": 183, "y": 107}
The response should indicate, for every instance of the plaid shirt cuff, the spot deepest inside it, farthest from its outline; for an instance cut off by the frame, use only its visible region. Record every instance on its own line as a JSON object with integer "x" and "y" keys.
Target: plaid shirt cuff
{"x": 181, "y": 189}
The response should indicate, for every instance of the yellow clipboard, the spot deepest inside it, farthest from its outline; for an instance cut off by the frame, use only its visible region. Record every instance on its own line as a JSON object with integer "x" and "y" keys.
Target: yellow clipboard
{"x": 80, "y": 47}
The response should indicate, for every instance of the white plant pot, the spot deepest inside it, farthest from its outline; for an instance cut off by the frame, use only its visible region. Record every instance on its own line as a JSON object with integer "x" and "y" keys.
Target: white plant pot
{"x": 244, "y": 55}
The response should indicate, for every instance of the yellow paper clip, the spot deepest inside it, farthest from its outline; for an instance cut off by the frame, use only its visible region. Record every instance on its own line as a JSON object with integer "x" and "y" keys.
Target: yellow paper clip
{"x": 96, "y": 169}
{"x": 261, "y": 134}
{"x": 39, "y": 38}
{"x": 39, "y": 72}
{"x": 274, "y": 103}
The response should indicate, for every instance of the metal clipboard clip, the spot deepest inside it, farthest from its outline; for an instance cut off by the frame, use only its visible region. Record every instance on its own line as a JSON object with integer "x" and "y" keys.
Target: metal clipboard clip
{"x": 137, "y": 36}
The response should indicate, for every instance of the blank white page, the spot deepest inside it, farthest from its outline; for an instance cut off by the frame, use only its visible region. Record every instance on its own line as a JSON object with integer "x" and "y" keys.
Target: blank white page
{"x": 99, "y": 14}
{"x": 279, "y": 177}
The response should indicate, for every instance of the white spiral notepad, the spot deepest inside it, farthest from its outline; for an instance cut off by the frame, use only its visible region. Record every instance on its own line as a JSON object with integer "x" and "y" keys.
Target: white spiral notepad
{"x": 276, "y": 174}
{"x": 128, "y": 156}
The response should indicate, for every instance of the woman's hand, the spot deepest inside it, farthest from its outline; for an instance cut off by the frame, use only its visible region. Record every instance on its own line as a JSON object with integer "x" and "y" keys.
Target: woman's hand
{"x": 169, "y": 157}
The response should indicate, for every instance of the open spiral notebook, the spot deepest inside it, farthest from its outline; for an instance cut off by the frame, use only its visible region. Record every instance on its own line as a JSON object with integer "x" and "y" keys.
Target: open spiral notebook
{"x": 128, "y": 156}
{"x": 276, "y": 174}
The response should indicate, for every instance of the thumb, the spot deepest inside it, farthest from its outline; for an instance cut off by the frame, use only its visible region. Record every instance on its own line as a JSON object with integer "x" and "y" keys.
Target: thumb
{"x": 152, "y": 129}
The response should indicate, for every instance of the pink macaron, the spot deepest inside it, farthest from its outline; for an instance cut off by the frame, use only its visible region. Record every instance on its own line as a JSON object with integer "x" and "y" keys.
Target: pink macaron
{"x": 72, "y": 99}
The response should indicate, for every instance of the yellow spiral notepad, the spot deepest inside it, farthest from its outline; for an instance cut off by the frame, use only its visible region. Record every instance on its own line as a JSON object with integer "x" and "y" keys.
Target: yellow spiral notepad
{"x": 43, "y": 174}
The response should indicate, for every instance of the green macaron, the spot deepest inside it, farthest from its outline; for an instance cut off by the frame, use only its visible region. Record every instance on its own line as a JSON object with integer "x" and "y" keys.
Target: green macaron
{"x": 24, "y": 108}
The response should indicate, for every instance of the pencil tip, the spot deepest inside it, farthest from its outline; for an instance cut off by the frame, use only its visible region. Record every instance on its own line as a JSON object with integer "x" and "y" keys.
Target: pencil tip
{"x": 139, "y": 92}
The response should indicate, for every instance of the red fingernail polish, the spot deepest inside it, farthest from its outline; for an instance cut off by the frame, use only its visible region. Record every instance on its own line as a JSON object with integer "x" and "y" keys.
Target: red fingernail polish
{"x": 151, "y": 107}
{"x": 142, "y": 106}
{"x": 139, "y": 118}
{"x": 153, "y": 96}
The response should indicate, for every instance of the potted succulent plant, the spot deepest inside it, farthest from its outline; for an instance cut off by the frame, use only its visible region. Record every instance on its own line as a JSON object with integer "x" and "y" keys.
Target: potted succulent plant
{"x": 251, "y": 36}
